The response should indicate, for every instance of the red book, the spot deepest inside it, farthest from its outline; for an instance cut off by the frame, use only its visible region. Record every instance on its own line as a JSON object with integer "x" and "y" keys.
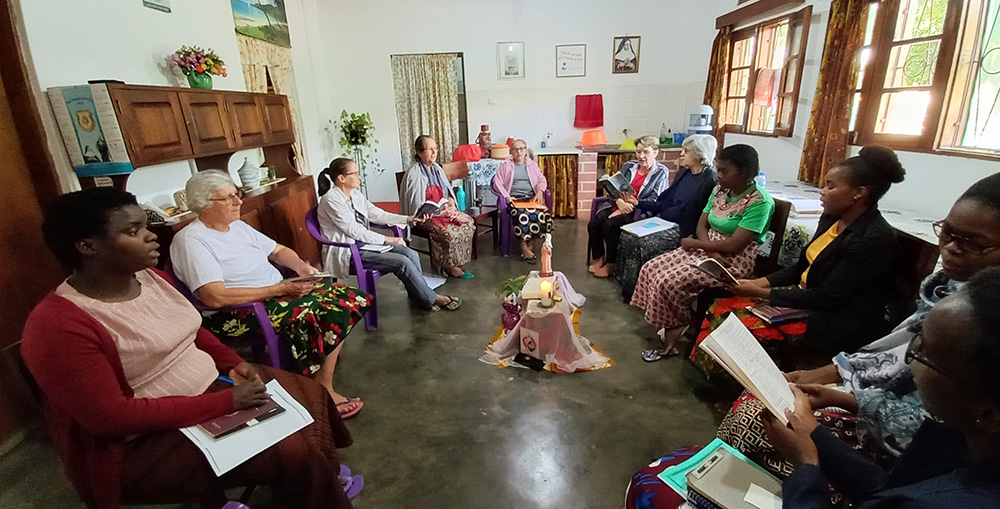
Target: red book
{"x": 229, "y": 423}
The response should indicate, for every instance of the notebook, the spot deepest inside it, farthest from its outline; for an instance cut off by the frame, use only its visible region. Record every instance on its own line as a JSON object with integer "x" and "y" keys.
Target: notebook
{"x": 376, "y": 248}
{"x": 240, "y": 419}
{"x": 777, "y": 314}
{"x": 730, "y": 482}
{"x": 645, "y": 227}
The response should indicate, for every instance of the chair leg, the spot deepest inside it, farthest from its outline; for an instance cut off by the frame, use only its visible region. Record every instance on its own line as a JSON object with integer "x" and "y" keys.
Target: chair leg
{"x": 475, "y": 243}
{"x": 367, "y": 284}
{"x": 274, "y": 350}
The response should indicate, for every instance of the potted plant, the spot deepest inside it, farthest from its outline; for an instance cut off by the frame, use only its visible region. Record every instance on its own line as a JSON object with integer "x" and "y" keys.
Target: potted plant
{"x": 198, "y": 65}
{"x": 510, "y": 291}
{"x": 357, "y": 139}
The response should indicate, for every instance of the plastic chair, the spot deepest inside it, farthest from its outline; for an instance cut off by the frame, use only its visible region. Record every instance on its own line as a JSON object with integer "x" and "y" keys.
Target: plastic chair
{"x": 277, "y": 355}
{"x": 235, "y": 505}
{"x": 595, "y": 203}
{"x": 366, "y": 277}
{"x": 506, "y": 228}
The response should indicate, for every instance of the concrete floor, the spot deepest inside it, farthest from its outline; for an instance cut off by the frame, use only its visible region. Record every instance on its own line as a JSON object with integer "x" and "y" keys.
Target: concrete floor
{"x": 441, "y": 429}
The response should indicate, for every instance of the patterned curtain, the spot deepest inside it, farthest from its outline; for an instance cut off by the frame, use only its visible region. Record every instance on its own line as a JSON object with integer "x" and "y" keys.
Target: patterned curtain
{"x": 715, "y": 87}
{"x": 826, "y": 139}
{"x": 560, "y": 171}
{"x": 614, "y": 162}
{"x": 426, "y": 94}
{"x": 260, "y": 59}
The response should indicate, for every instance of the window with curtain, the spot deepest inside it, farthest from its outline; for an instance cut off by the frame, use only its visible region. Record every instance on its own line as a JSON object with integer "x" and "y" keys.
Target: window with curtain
{"x": 764, "y": 75}
{"x": 930, "y": 77}
{"x": 426, "y": 91}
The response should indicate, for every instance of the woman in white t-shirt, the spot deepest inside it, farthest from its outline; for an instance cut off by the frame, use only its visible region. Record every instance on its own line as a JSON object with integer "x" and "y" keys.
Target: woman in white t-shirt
{"x": 224, "y": 261}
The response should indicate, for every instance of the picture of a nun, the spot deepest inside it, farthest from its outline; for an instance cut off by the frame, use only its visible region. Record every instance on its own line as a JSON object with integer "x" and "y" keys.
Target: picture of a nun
{"x": 626, "y": 56}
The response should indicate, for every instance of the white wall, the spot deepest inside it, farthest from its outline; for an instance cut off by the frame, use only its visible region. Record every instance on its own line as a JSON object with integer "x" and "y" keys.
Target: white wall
{"x": 933, "y": 182}
{"x": 673, "y": 63}
{"x": 70, "y": 42}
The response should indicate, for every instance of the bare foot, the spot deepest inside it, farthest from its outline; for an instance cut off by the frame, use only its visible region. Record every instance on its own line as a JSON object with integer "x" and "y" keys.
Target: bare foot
{"x": 595, "y": 266}
{"x": 455, "y": 271}
{"x": 605, "y": 270}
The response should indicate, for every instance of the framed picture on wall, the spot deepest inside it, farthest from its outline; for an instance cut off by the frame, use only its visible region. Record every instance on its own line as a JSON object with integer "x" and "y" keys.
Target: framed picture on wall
{"x": 510, "y": 60}
{"x": 625, "y": 55}
{"x": 571, "y": 60}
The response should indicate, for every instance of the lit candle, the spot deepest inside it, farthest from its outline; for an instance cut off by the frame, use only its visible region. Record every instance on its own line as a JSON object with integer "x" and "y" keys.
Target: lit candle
{"x": 546, "y": 287}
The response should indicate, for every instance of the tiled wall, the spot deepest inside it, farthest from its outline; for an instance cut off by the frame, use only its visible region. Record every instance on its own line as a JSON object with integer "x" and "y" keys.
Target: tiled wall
{"x": 531, "y": 113}
{"x": 586, "y": 184}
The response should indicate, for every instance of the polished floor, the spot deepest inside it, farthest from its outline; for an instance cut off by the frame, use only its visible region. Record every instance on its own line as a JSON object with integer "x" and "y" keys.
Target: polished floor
{"x": 442, "y": 430}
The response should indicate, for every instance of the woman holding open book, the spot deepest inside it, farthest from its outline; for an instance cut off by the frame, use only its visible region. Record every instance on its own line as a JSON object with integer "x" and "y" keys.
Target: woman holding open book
{"x": 519, "y": 178}
{"x": 647, "y": 178}
{"x": 345, "y": 215}
{"x": 449, "y": 231}
{"x": 224, "y": 262}
{"x": 732, "y": 225}
{"x": 123, "y": 362}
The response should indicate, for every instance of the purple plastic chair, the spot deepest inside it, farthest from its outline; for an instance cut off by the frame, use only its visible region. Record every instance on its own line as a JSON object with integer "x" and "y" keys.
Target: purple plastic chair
{"x": 277, "y": 355}
{"x": 366, "y": 277}
{"x": 595, "y": 203}
{"x": 235, "y": 505}
{"x": 506, "y": 228}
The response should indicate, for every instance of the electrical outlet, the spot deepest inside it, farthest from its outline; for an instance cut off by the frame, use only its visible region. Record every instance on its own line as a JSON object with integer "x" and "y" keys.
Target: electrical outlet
{"x": 548, "y": 136}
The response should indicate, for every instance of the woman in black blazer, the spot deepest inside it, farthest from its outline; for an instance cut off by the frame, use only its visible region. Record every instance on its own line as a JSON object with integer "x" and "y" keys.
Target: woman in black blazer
{"x": 845, "y": 276}
{"x": 954, "y": 459}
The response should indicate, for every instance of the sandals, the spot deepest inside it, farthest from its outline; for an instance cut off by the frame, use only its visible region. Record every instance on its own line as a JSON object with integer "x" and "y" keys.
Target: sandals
{"x": 347, "y": 414}
{"x": 530, "y": 259}
{"x": 453, "y": 304}
{"x": 353, "y": 484}
{"x": 465, "y": 275}
{"x": 655, "y": 354}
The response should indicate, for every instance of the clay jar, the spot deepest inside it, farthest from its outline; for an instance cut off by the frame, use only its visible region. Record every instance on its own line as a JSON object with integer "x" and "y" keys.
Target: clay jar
{"x": 484, "y": 139}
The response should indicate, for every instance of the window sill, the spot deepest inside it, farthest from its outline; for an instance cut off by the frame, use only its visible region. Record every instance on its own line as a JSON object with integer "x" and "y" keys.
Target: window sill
{"x": 951, "y": 152}
{"x": 757, "y": 133}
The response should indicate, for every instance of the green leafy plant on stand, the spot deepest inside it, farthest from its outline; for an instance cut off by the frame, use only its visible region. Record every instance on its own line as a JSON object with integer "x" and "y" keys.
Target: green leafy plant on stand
{"x": 357, "y": 140}
{"x": 511, "y": 286}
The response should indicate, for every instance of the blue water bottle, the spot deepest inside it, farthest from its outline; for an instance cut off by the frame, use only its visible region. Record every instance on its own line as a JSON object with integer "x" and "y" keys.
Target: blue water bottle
{"x": 460, "y": 198}
{"x": 761, "y": 179}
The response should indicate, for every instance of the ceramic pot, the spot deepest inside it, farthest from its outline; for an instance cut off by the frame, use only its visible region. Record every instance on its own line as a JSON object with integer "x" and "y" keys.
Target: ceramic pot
{"x": 249, "y": 174}
{"x": 200, "y": 80}
{"x": 485, "y": 139}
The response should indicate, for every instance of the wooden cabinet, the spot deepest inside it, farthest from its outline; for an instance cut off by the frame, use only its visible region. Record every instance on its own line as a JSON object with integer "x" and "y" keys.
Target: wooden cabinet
{"x": 279, "y": 118}
{"x": 247, "y": 114}
{"x": 152, "y": 123}
{"x": 207, "y": 117}
{"x": 287, "y": 214}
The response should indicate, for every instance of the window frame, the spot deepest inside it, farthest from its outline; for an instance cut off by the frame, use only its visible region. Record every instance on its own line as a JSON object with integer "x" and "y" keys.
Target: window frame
{"x": 804, "y": 18}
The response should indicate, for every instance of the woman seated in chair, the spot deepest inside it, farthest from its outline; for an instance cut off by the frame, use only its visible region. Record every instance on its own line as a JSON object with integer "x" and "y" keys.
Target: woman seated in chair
{"x": 224, "y": 261}
{"x": 877, "y": 412}
{"x": 450, "y": 233}
{"x": 954, "y": 458}
{"x": 345, "y": 215}
{"x": 732, "y": 225}
{"x": 648, "y": 178}
{"x": 519, "y": 178}
{"x": 684, "y": 200}
{"x": 845, "y": 277}
{"x": 122, "y": 363}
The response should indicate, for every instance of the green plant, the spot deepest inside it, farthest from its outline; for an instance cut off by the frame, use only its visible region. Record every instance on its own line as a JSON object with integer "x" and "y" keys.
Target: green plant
{"x": 357, "y": 140}
{"x": 511, "y": 286}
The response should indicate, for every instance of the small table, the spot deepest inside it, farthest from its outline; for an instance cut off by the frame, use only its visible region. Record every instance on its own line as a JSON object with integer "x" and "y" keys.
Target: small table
{"x": 551, "y": 334}
{"x": 484, "y": 214}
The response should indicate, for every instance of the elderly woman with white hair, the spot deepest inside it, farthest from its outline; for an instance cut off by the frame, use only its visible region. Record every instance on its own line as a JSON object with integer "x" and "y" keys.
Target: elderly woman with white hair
{"x": 520, "y": 179}
{"x": 687, "y": 195}
{"x": 224, "y": 261}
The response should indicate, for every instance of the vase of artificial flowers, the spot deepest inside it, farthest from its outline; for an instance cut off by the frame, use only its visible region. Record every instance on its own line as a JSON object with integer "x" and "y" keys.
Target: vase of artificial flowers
{"x": 198, "y": 65}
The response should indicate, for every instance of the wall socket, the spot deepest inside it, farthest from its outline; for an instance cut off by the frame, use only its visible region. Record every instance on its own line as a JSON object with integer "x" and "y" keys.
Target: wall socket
{"x": 548, "y": 136}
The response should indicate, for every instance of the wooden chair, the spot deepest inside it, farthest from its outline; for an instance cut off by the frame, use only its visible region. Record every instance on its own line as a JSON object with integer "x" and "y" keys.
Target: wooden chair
{"x": 453, "y": 170}
{"x": 413, "y": 233}
{"x": 917, "y": 259}
{"x": 765, "y": 265}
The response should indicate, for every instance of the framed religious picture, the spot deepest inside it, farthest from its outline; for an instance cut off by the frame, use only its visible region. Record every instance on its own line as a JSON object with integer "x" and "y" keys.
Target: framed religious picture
{"x": 510, "y": 60}
{"x": 571, "y": 60}
{"x": 625, "y": 55}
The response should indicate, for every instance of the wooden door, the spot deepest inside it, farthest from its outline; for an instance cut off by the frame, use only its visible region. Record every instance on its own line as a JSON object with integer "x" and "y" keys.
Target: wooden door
{"x": 279, "y": 118}
{"x": 207, "y": 118}
{"x": 153, "y": 125}
{"x": 247, "y": 114}
{"x": 288, "y": 219}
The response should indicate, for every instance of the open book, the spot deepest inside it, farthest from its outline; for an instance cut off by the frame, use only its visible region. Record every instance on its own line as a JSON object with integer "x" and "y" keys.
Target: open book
{"x": 735, "y": 349}
{"x": 615, "y": 185}
{"x": 713, "y": 268}
{"x": 777, "y": 314}
{"x": 431, "y": 207}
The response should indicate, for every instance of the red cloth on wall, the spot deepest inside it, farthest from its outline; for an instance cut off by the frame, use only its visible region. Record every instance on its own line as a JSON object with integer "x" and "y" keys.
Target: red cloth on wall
{"x": 589, "y": 111}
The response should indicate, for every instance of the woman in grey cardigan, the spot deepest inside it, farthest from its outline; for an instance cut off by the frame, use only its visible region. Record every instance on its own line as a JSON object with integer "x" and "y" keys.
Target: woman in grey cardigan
{"x": 451, "y": 231}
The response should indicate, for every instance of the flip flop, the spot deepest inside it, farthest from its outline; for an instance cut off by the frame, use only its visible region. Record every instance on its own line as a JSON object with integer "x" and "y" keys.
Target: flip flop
{"x": 655, "y": 354}
{"x": 530, "y": 259}
{"x": 350, "y": 413}
{"x": 467, "y": 275}
{"x": 353, "y": 486}
{"x": 453, "y": 303}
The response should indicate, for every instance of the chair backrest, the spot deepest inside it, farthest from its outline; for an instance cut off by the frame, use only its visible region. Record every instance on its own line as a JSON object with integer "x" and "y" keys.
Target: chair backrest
{"x": 456, "y": 170}
{"x": 399, "y": 183}
{"x": 312, "y": 226}
{"x": 917, "y": 259}
{"x": 779, "y": 221}
{"x": 168, "y": 267}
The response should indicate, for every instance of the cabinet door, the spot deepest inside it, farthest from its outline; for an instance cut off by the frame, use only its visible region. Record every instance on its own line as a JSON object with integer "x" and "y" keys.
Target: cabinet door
{"x": 247, "y": 114}
{"x": 207, "y": 122}
{"x": 279, "y": 118}
{"x": 153, "y": 125}
{"x": 288, "y": 219}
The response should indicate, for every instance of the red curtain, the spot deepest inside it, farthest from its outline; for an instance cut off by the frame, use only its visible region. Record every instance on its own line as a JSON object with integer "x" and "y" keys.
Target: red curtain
{"x": 826, "y": 139}
{"x": 715, "y": 87}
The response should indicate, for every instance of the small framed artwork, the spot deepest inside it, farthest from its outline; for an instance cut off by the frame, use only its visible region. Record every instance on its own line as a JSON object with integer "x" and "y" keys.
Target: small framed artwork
{"x": 159, "y": 5}
{"x": 510, "y": 60}
{"x": 571, "y": 60}
{"x": 626, "y": 55}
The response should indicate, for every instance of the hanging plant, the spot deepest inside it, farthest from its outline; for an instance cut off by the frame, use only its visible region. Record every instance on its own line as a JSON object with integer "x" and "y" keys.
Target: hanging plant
{"x": 357, "y": 140}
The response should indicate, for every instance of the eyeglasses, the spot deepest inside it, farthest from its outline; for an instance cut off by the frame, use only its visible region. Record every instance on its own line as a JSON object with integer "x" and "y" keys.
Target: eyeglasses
{"x": 915, "y": 352}
{"x": 231, "y": 199}
{"x": 964, "y": 244}
{"x": 348, "y": 174}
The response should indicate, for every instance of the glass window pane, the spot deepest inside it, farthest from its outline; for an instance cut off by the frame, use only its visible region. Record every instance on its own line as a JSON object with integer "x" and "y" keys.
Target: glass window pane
{"x": 866, "y": 55}
{"x": 920, "y": 18}
{"x": 735, "y": 109}
{"x": 982, "y": 128}
{"x": 902, "y": 112}
{"x": 788, "y": 75}
{"x": 870, "y": 24}
{"x": 854, "y": 111}
{"x": 742, "y": 50}
{"x": 795, "y": 39}
{"x": 761, "y": 118}
{"x": 912, "y": 65}
{"x": 738, "y": 82}
{"x": 785, "y": 111}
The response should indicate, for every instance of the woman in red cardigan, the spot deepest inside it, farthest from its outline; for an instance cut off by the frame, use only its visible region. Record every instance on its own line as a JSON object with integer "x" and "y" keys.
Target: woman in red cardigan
{"x": 123, "y": 363}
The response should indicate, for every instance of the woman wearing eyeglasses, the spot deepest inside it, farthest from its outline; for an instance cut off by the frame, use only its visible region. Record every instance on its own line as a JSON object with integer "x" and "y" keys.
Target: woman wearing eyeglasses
{"x": 954, "y": 457}
{"x": 224, "y": 262}
{"x": 879, "y": 410}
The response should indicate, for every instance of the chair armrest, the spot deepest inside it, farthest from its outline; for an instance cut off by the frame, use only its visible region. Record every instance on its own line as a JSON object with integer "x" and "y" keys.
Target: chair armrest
{"x": 396, "y": 230}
